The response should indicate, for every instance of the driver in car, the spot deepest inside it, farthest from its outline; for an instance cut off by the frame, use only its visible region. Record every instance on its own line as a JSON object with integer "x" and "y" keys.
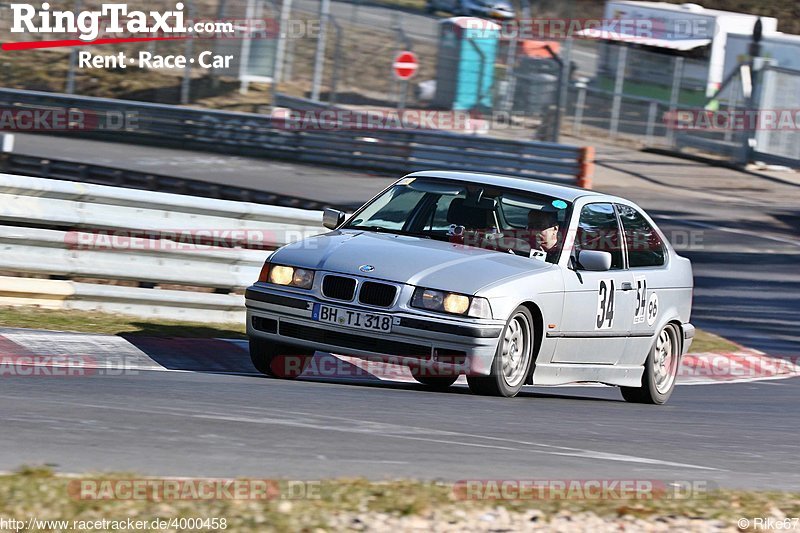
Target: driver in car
{"x": 543, "y": 225}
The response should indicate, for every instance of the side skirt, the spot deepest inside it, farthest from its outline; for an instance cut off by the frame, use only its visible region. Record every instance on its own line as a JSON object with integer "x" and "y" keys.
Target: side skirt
{"x": 561, "y": 373}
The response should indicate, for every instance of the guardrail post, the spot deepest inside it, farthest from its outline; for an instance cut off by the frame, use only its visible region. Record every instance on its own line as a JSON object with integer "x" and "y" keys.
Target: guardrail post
{"x": 7, "y": 142}
{"x": 586, "y": 161}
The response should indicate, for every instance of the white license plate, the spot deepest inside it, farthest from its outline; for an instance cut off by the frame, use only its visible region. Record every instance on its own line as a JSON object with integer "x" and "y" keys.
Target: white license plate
{"x": 352, "y": 319}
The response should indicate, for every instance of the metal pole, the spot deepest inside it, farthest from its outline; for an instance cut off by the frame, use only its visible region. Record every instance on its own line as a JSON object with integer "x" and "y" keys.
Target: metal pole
{"x": 319, "y": 60}
{"x": 188, "y": 52}
{"x": 337, "y": 53}
{"x": 511, "y": 76}
{"x": 401, "y": 87}
{"x": 579, "y": 105}
{"x": 73, "y": 57}
{"x": 674, "y": 96}
{"x": 622, "y": 56}
{"x": 212, "y": 72}
{"x": 280, "y": 52}
{"x": 651, "y": 122}
{"x": 244, "y": 63}
{"x": 752, "y": 100}
{"x": 563, "y": 88}
{"x": 354, "y": 11}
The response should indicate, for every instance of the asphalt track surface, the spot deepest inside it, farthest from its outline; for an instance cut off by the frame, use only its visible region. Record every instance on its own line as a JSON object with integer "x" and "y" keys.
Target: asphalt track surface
{"x": 207, "y": 424}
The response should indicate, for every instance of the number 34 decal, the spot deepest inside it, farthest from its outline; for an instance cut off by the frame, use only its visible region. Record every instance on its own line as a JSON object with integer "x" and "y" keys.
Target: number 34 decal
{"x": 605, "y": 304}
{"x": 646, "y": 309}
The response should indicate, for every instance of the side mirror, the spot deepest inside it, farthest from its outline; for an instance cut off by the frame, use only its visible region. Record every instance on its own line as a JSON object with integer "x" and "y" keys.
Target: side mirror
{"x": 594, "y": 260}
{"x": 332, "y": 218}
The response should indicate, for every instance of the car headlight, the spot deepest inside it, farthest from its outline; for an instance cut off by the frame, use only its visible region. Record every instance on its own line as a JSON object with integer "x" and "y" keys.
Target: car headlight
{"x": 451, "y": 303}
{"x": 287, "y": 276}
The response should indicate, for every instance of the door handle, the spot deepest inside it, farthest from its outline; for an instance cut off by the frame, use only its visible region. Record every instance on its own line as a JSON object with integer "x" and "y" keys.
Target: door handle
{"x": 626, "y": 286}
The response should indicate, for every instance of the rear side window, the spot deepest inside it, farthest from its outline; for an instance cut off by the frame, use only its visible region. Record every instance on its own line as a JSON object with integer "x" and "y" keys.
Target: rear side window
{"x": 598, "y": 230}
{"x": 645, "y": 247}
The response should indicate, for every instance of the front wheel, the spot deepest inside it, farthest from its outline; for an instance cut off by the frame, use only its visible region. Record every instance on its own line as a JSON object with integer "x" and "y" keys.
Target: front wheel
{"x": 278, "y": 360}
{"x": 660, "y": 369}
{"x": 512, "y": 360}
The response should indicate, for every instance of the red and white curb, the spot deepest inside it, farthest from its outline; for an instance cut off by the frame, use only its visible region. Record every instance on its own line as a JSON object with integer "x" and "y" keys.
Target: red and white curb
{"x": 23, "y": 351}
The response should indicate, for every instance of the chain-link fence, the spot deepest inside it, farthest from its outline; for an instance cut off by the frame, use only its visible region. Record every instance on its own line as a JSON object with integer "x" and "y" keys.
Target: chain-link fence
{"x": 341, "y": 55}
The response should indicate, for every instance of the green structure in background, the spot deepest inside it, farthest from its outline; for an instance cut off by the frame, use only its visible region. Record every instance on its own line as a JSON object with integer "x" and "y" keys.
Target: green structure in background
{"x": 465, "y": 66}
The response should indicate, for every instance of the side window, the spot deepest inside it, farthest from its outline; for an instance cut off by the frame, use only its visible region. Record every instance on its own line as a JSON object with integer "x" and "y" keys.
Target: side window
{"x": 598, "y": 230}
{"x": 645, "y": 248}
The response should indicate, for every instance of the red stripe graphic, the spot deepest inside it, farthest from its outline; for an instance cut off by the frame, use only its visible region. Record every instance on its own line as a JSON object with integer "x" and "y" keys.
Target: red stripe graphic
{"x": 77, "y": 42}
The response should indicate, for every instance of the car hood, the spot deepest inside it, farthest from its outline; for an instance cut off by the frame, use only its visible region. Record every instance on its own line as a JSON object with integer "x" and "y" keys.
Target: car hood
{"x": 404, "y": 259}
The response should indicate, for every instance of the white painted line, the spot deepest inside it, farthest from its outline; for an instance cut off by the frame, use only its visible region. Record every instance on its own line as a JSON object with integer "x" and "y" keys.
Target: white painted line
{"x": 390, "y": 431}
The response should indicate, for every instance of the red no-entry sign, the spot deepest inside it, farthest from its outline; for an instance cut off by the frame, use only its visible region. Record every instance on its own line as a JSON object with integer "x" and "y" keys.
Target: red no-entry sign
{"x": 405, "y": 65}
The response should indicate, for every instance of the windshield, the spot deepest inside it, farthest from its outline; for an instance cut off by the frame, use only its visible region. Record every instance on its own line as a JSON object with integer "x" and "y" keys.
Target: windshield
{"x": 504, "y": 220}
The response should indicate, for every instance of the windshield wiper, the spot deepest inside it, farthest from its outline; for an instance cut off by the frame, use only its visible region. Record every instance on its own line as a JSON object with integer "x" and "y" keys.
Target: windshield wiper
{"x": 379, "y": 229}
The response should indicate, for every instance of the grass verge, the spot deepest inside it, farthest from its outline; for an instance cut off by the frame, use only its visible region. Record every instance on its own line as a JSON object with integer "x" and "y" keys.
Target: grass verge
{"x": 339, "y": 504}
{"x": 708, "y": 342}
{"x": 113, "y": 324}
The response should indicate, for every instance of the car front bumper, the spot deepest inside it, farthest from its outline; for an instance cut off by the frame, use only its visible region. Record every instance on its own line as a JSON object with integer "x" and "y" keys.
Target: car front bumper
{"x": 416, "y": 339}
{"x": 688, "y": 336}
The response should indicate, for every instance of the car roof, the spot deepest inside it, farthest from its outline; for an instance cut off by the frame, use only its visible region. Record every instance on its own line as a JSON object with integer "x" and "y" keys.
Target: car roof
{"x": 565, "y": 192}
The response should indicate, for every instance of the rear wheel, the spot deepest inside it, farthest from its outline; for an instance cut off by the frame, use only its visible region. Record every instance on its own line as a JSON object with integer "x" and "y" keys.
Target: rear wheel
{"x": 512, "y": 360}
{"x": 278, "y": 360}
{"x": 660, "y": 369}
{"x": 434, "y": 382}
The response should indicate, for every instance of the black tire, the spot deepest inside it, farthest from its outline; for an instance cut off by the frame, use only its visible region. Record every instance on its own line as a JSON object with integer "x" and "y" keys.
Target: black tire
{"x": 656, "y": 388}
{"x": 278, "y": 360}
{"x": 497, "y": 383}
{"x": 434, "y": 382}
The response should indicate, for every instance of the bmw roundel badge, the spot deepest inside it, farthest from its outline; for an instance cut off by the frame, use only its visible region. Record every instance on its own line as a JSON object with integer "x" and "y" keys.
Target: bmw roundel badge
{"x": 366, "y": 268}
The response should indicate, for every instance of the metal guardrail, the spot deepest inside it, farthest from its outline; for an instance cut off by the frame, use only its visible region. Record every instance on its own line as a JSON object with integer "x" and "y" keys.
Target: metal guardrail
{"x": 386, "y": 150}
{"x": 117, "y": 177}
{"x": 139, "y": 252}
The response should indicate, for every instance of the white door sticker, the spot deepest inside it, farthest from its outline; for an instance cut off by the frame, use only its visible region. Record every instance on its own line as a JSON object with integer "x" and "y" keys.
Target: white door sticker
{"x": 652, "y": 309}
{"x": 641, "y": 299}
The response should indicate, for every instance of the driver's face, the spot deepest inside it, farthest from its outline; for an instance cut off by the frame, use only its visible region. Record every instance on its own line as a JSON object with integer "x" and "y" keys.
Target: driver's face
{"x": 546, "y": 231}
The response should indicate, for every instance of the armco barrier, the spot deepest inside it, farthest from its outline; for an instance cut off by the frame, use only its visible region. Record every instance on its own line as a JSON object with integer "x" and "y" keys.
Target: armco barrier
{"x": 385, "y": 150}
{"x": 133, "y": 251}
{"x": 39, "y": 167}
